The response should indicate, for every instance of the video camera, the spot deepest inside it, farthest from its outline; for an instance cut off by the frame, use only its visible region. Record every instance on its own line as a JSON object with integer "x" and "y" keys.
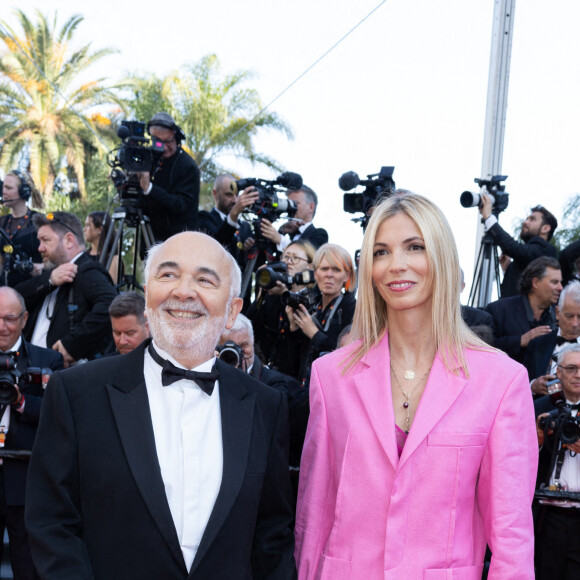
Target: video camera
{"x": 494, "y": 188}
{"x": 377, "y": 185}
{"x": 269, "y": 205}
{"x": 33, "y": 380}
{"x": 135, "y": 155}
{"x": 278, "y": 272}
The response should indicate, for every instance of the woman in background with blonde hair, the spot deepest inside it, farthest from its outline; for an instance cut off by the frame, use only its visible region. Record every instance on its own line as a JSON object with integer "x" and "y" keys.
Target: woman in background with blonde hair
{"x": 421, "y": 443}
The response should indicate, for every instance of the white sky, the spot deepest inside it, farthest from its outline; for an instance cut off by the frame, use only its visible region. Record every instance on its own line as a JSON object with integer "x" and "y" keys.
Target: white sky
{"x": 408, "y": 88}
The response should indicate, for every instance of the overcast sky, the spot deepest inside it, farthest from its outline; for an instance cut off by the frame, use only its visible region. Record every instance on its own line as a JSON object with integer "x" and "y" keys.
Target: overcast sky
{"x": 407, "y": 88}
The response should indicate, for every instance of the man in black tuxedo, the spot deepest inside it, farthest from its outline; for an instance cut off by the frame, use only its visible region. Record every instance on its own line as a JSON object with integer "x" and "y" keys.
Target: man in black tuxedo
{"x": 518, "y": 320}
{"x": 542, "y": 352}
{"x": 171, "y": 197}
{"x": 222, "y": 222}
{"x": 69, "y": 301}
{"x": 144, "y": 468}
{"x": 301, "y": 226}
{"x": 537, "y": 230}
{"x": 242, "y": 333}
{"x": 18, "y": 424}
{"x": 558, "y": 522}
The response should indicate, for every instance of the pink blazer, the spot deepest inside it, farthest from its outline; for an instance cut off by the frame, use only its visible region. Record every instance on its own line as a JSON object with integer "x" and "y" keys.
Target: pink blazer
{"x": 466, "y": 475}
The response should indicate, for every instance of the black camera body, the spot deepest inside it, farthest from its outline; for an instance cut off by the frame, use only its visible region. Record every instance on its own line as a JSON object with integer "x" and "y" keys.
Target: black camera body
{"x": 30, "y": 381}
{"x": 494, "y": 188}
{"x": 278, "y": 272}
{"x": 560, "y": 420}
{"x": 308, "y": 297}
{"x": 231, "y": 353}
{"x": 269, "y": 205}
{"x": 377, "y": 185}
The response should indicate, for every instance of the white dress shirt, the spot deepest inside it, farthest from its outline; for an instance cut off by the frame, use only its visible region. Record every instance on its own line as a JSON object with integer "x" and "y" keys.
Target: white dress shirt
{"x": 188, "y": 438}
{"x": 286, "y": 240}
{"x": 570, "y": 473}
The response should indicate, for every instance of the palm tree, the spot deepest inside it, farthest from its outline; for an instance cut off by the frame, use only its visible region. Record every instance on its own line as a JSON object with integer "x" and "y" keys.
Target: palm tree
{"x": 218, "y": 115}
{"x": 48, "y": 120}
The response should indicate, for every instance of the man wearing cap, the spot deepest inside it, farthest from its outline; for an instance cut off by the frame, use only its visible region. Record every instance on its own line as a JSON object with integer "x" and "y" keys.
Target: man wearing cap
{"x": 172, "y": 191}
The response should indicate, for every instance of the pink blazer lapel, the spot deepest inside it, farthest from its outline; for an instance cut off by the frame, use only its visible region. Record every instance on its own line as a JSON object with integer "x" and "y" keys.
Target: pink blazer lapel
{"x": 373, "y": 384}
{"x": 441, "y": 391}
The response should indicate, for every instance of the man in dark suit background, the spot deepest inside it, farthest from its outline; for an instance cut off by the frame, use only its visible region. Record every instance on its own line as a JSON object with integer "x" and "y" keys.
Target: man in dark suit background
{"x": 69, "y": 301}
{"x": 222, "y": 222}
{"x": 18, "y": 424}
{"x": 131, "y": 479}
{"x": 537, "y": 230}
{"x": 301, "y": 226}
{"x": 517, "y": 320}
{"x": 130, "y": 327}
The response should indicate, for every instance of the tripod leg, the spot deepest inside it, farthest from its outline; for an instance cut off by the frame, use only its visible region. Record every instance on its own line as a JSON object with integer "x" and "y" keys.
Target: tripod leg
{"x": 247, "y": 277}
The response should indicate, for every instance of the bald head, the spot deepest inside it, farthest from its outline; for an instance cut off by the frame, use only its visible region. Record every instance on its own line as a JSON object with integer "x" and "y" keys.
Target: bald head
{"x": 13, "y": 317}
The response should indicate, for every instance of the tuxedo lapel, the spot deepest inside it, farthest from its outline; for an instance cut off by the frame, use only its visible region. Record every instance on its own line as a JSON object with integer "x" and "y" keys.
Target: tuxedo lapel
{"x": 237, "y": 412}
{"x": 130, "y": 404}
{"x": 373, "y": 385}
{"x": 441, "y": 391}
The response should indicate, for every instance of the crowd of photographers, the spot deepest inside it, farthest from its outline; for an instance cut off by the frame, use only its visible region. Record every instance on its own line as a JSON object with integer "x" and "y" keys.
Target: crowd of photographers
{"x": 60, "y": 306}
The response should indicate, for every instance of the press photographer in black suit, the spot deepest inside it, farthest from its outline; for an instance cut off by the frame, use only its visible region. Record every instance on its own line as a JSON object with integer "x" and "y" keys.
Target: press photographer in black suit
{"x": 537, "y": 230}
{"x": 18, "y": 424}
{"x": 171, "y": 195}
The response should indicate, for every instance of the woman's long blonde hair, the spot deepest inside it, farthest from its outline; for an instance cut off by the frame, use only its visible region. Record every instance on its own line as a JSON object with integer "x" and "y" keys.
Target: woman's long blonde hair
{"x": 451, "y": 334}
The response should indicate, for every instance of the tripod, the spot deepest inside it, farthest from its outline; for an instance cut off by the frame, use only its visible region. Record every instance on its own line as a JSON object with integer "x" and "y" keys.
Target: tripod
{"x": 263, "y": 251}
{"x": 486, "y": 271}
{"x": 130, "y": 215}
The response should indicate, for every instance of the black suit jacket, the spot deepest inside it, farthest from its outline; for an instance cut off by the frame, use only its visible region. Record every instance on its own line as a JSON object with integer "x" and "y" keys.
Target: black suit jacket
{"x": 510, "y": 321}
{"x": 22, "y": 430}
{"x": 538, "y": 355}
{"x": 86, "y": 331}
{"x": 316, "y": 236}
{"x": 521, "y": 254}
{"x": 568, "y": 257}
{"x": 96, "y": 505}
{"x": 173, "y": 201}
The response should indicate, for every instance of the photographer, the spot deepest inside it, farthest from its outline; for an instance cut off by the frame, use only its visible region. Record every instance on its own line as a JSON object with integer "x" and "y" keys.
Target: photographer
{"x": 172, "y": 193}
{"x": 17, "y": 190}
{"x": 268, "y": 313}
{"x": 537, "y": 230}
{"x": 558, "y": 521}
{"x": 18, "y": 424}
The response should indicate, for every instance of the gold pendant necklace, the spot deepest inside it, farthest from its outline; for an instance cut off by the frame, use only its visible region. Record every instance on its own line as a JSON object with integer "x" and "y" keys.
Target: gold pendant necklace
{"x": 408, "y": 395}
{"x": 409, "y": 374}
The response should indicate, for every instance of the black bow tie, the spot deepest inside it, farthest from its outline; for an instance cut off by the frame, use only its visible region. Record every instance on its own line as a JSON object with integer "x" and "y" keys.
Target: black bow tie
{"x": 572, "y": 407}
{"x": 560, "y": 340}
{"x": 170, "y": 373}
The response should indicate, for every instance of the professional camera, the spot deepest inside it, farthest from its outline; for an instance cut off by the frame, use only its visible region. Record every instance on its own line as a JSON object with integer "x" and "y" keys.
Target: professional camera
{"x": 376, "y": 186}
{"x": 231, "y": 353}
{"x": 136, "y": 154}
{"x": 308, "y": 297}
{"x": 32, "y": 380}
{"x": 269, "y": 205}
{"x": 560, "y": 420}
{"x": 494, "y": 188}
{"x": 278, "y": 272}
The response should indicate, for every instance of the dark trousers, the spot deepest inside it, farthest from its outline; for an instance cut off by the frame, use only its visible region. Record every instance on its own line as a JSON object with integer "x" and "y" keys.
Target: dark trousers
{"x": 12, "y": 518}
{"x": 558, "y": 544}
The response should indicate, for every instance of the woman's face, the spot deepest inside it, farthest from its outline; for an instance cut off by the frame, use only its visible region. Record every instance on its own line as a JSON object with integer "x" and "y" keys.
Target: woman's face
{"x": 330, "y": 278}
{"x": 10, "y": 189}
{"x": 296, "y": 259}
{"x": 400, "y": 266}
{"x": 92, "y": 233}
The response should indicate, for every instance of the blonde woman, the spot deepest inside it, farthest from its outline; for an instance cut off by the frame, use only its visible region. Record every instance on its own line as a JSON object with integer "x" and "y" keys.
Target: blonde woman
{"x": 421, "y": 445}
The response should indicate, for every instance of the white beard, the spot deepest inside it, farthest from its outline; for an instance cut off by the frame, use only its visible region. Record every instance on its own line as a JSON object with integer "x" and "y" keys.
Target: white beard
{"x": 173, "y": 336}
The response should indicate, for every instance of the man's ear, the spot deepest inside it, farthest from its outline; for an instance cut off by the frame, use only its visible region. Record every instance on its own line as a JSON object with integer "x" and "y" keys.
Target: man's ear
{"x": 545, "y": 230}
{"x": 234, "y": 310}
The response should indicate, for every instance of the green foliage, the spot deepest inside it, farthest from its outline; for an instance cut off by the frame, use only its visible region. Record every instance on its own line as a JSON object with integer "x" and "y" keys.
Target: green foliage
{"x": 569, "y": 229}
{"x": 215, "y": 111}
{"x": 48, "y": 122}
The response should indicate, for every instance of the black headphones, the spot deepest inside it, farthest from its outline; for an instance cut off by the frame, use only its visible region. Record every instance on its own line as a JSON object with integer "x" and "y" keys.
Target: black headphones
{"x": 24, "y": 189}
{"x": 165, "y": 120}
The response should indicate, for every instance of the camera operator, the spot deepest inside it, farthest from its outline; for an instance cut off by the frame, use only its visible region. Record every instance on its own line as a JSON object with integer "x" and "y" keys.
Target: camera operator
{"x": 537, "y": 230}
{"x": 17, "y": 190}
{"x": 18, "y": 424}
{"x": 222, "y": 222}
{"x": 268, "y": 313}
{"x": 301, "y": 226}
{"x": 242, "y": 334}
{"x": 172, "y": 193}
{"x": 558, "y": 521}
